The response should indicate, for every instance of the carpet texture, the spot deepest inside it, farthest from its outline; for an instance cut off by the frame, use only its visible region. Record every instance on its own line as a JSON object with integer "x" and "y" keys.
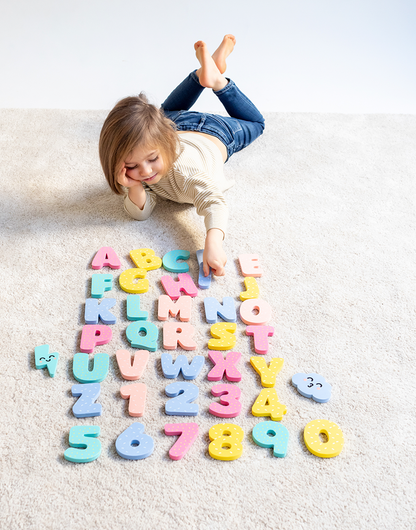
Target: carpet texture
{"x": 328, "y": 204}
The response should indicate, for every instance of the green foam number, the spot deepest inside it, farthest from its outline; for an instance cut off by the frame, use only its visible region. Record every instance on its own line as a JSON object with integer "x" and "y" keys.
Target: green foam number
{"x": 84, "y": 444}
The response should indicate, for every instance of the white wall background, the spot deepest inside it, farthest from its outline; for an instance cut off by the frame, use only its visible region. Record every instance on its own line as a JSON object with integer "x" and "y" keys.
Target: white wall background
{"x": 349, "y": 56}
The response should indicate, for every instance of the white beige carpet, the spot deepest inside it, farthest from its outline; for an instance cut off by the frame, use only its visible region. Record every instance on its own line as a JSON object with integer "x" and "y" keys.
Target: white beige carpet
{"x": 328, "y": 203}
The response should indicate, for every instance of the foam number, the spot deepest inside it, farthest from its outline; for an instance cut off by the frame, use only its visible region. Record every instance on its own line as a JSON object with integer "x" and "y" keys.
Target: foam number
{"x": 223, "y": 336}
{"x": 174, "y": 333}
{"x": 260, "y": 334}
{"x": 95, "y": 311}
{"x": 106, "y": 257}
{"x": 167, "y": 306}
{"x": 136, "y": 393}
{"x": 267, "y": 373}
{"x": 229, "y": 405}
{"x": 213, "y": 309}
{"x": 133, "y": 444}
{"x": 148, "y": 341}
{"x": 44, "y": 359}
{"x": 128, "y": 283}
{"x": 203, "y": 281}
{"x": 264, "y": 311}
{"x": 268, "y": 404}
{"x": 170, "y": 261}
{"x": 226, "y": 366}
{"x": 84, "y": 444}
{"x": 85, "y": 406}
{"x": 99, "y": 372}
{"x": 145, "y": 258}
{"x": 129, "y": 369}
{"x": 272, "y": 434}
{"x": 250, "y": 265}
{"x": 183, "y": 395}
{"x": 174, "y": 288}
{"x": 133, "y": 308}
{"x": 335, "y": 438}
{"x": 226, "y": 441}
{"x": 100, "y": 283}
{"x": 173, "y": 369}
{"x": 187, "y": 433}
{"x": 252, "y": 289}
{"x": 92, "y": 336}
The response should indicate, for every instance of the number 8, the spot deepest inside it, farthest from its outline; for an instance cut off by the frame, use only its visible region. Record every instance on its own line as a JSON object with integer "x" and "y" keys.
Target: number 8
{"x": 226, "y": 441}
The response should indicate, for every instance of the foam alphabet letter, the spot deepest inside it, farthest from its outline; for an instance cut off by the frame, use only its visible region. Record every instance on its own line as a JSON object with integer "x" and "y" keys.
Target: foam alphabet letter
{"x": 85, "y": 406}
{"x": 84, "y": 439}
{"x": 137, "y": 394}
{"x": 168, "y": 306}
{"x": 93, "y": 335}
{"x": 184, "y": 283}
{"x": 260, "y": 333}
{"x": 264, "y": 311}
{"x": 146, "y": 342}
{"x": 250, "y": 265}
{"x": 170, "y": 261}
{"x": 223, "y": 336}
{"x": 132, "y": 370}
{"x": 99, "y": 372}
{"x": 44, "y": 359}
{"x": 174, "y": 332}
{"x": 213, "y": 309}
{"x": 133, "y": 308}
{"x": 252, "y": 289}
{"x": 173, "y": 369}
{"x": 94, "y": 310}
{"x": 226, "y": 365}
{"x": 129, "y": 285}
{"x": 203, "y": 281}
{"x": 105, "y": 257}
{"x": 101, "y": 283}
{"x": 133, "y": 444}
{"x": 272, "y": 434}
{"x": 267, "y": 373}
{"x": 145, "y": 258}
{"x": 268, "y": 404}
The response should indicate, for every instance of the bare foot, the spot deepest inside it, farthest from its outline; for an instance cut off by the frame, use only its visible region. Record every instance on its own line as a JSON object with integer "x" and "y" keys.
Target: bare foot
{"x": 223, "y": 51}
{"x": 209, "y": 75}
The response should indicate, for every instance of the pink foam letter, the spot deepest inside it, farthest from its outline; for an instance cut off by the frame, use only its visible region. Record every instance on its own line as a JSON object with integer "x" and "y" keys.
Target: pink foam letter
{"x": 260, "y": 334}
{"x": 173, "y": 288}
{"x": 226, "y": 365}
{"x": 93, "y": 336}
{"x": 166, "y": 305}
{"x": 132, "y": 370}
{"x": 174, "y": 332}
{"x": 105, "y": 257}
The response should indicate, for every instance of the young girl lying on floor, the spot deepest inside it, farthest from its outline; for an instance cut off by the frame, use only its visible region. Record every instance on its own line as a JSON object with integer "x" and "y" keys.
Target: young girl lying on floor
{"x": 178, "y": 154}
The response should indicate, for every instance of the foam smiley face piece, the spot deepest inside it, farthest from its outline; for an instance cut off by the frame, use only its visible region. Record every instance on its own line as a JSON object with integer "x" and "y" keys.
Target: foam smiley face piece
{"x": 312, "y": 386}
{"x": 44, "y": 359}
{"x": 335, "y": 438}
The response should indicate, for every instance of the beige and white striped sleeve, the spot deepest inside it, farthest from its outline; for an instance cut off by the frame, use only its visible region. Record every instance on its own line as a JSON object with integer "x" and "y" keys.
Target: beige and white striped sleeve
{"x": 209, "y": 202}
{"x": 134, "y": 211}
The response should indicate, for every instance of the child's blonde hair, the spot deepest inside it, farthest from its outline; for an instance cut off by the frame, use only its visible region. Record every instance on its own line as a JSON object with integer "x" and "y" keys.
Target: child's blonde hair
{"x": 132, "y": 122}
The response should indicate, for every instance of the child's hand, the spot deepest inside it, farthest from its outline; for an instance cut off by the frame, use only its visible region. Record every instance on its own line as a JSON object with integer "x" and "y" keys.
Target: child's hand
{"x": 214, "y": 255}
{"x": 126, "y": 181}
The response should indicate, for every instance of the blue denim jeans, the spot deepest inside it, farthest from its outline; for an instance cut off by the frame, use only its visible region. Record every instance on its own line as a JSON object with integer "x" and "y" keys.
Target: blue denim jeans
{"x": 244, "y": 125}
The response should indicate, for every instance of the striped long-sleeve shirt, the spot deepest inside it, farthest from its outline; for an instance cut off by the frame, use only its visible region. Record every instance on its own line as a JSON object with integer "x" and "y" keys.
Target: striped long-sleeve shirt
{"x": 197, "y": 177}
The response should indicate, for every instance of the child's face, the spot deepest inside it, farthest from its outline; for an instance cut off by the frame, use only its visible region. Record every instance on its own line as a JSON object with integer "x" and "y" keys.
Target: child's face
{"x": 144, "y": 165}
